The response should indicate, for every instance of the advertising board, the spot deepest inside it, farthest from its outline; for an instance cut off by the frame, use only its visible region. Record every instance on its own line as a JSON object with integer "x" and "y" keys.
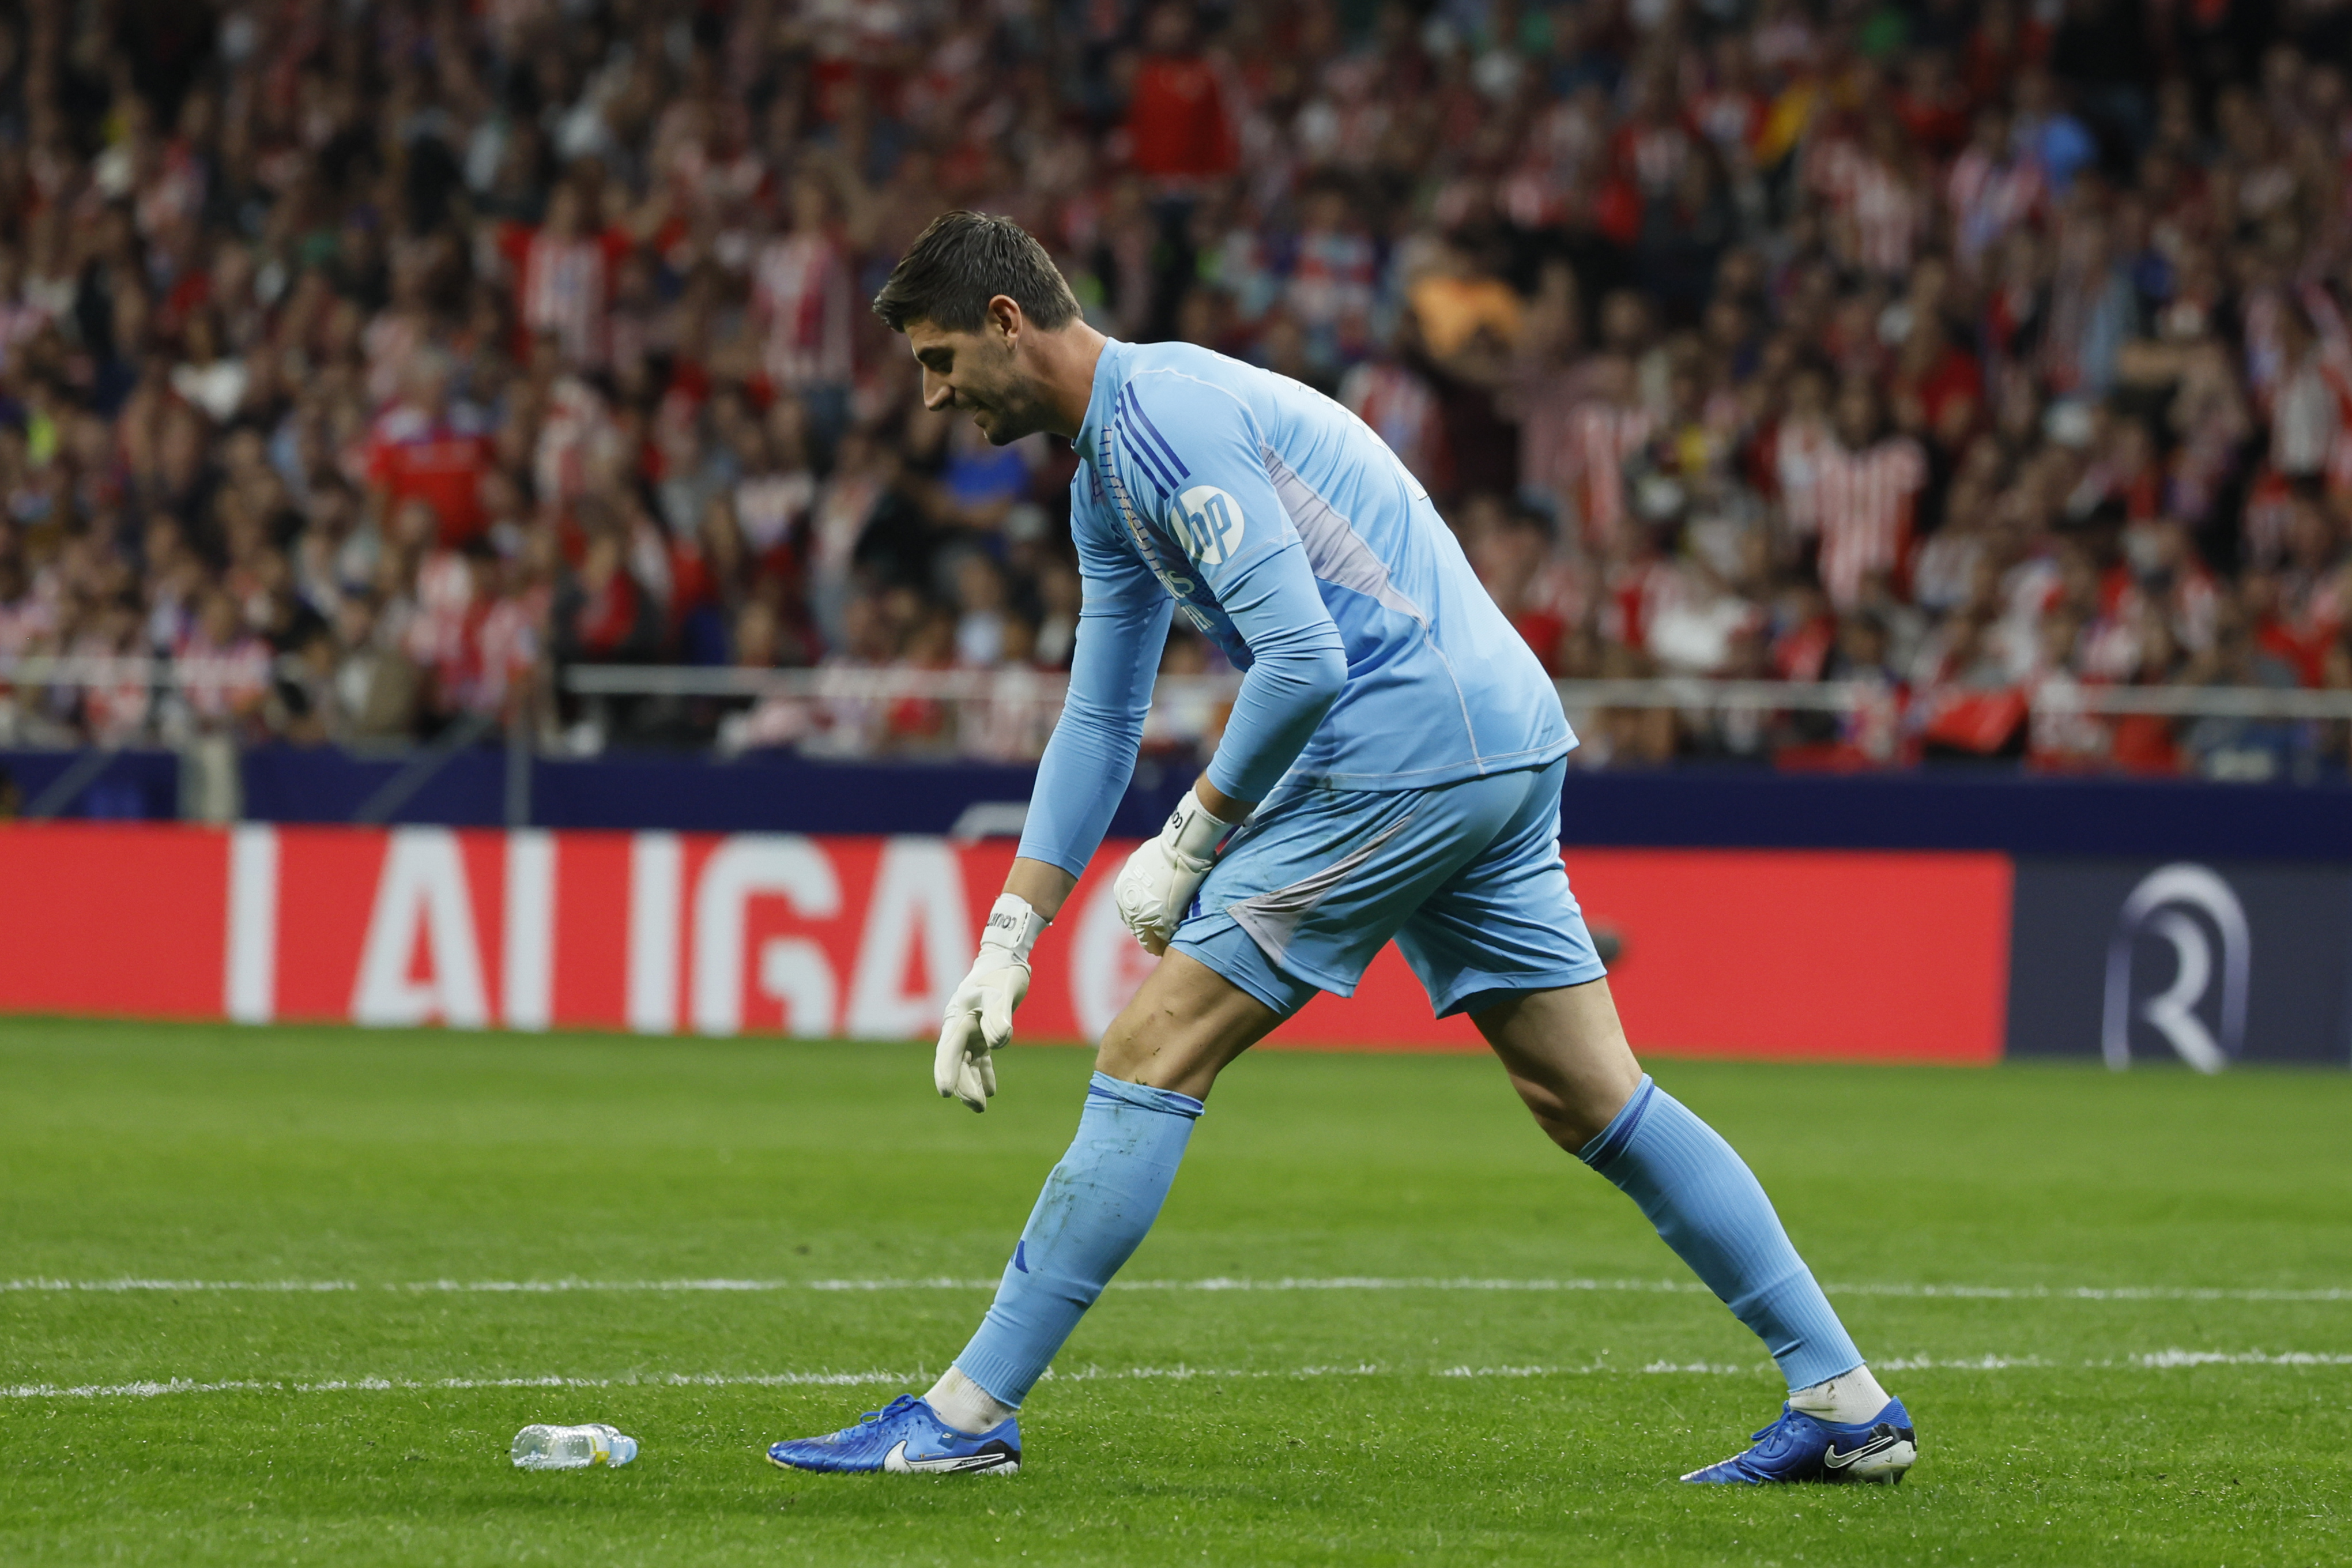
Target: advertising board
{"x": 2206, "y": 963}
{"x": 1766, "y": 953}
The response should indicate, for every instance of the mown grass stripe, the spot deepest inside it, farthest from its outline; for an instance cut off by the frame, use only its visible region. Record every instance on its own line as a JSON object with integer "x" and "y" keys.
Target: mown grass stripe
{"x": 1340, "y": 1282}
{"x": 2150, "y": 1360}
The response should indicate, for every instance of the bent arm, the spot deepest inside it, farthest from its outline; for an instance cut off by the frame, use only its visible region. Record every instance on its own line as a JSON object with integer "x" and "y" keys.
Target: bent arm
{"x": 1198, "y": 450}
{"x": 1298, "y": 667}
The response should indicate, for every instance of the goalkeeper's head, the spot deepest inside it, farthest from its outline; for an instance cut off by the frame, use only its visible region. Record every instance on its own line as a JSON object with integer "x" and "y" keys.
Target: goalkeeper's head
{"x": 995, "y": 326}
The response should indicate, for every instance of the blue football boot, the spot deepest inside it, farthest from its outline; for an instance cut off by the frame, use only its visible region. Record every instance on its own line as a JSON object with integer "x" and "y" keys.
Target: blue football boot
{"x": 1802, "y": 1447}
{"x": 905, "y": 1439}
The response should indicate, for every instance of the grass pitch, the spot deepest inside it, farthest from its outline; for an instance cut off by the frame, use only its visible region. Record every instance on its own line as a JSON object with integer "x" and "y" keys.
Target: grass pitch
{"x": 2121, "y": 1308}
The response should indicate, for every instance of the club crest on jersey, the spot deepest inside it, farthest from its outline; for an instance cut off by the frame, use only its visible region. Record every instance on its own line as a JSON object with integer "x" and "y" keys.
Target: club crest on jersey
{"x": 1207, "y": 522}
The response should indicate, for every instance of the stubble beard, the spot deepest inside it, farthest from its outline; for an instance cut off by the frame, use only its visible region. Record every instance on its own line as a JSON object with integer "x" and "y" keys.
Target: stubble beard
{"x": 1010, "y": 417}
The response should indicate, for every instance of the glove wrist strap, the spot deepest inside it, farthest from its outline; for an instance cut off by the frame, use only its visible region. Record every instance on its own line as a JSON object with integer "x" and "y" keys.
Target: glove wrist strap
{"x": 1193, "y": 829}
{"x": 1012, "y": 925}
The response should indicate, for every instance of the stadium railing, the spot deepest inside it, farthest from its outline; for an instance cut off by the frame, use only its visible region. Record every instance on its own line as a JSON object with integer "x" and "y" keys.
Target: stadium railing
{"x": 2258, "y": 773}
{"x": 1696, "y": 692}
{"x": 1184, "y": 701}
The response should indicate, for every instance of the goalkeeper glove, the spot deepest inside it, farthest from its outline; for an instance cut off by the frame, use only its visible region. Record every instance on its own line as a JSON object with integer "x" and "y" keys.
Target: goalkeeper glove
{"x": 1155, "y": 888}
{"x": 980, "y": 1013}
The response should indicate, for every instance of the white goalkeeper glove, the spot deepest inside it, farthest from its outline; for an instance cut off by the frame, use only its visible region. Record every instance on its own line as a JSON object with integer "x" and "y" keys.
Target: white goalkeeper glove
{"x": 980, "y": 1013}
{"x": 1155, "y": 888}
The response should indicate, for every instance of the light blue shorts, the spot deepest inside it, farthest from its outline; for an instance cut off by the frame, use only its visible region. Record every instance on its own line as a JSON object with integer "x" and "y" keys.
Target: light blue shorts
{"x": 1465, "y": 877}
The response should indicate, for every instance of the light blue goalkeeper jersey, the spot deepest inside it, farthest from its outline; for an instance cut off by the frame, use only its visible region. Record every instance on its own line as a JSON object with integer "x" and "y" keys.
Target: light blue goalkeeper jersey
{"x": 1281, "y": 526}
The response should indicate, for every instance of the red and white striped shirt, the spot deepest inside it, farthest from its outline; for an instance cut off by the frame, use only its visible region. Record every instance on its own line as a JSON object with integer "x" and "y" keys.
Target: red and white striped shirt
{"x": 1400, "y": 409}
{"x": 1988, "y": 198}
{"x": 1587, "y": 468}
{"x": 1797, "y": 448}
{"x": 1864, "y": 501}
{"x": 800, "y": 291}
{"x": 1888, "y": 214}
{"x": 506, "y": 643}
{"x": 1879, "y": 214}
{"x": 565, "y": 287}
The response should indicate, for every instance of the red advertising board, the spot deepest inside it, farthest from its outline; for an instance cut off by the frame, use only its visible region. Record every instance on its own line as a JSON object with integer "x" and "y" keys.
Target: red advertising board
{"x": 114, "y": 920}
{"x": 1761, "y": 953}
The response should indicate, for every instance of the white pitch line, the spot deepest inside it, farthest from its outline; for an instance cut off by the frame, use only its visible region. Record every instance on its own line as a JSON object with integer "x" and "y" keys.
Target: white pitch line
{"x": 2092, "y": 1292}
{"x": 380, "y": 1384}
{"x": 1339, "y": 1282}
{"x": 289, "y": 1286}
{"x": 2154, "y": 1360}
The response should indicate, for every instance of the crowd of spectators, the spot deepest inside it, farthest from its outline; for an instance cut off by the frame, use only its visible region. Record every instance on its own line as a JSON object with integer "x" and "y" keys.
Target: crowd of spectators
{"x": 378, "y": 358}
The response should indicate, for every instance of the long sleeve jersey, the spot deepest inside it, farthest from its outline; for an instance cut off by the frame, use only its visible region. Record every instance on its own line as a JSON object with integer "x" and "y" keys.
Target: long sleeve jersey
{"x": 1278, "y": 524}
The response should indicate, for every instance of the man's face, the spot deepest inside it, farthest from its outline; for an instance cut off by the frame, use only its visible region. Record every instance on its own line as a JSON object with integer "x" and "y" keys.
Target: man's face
{"x": 980, "y": 373}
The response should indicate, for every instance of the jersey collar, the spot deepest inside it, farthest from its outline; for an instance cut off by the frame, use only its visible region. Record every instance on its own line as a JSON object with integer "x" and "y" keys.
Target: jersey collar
{"x": 1109, "y": 370}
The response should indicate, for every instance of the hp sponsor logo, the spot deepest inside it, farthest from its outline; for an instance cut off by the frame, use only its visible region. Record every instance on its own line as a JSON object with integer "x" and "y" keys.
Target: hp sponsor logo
{"x": 2192, "y": 910}
{"x": 1207, "y": 524}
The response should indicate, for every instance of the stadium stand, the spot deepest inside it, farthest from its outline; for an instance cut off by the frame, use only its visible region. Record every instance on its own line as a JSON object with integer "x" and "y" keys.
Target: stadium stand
{"x": 379, "y": 364}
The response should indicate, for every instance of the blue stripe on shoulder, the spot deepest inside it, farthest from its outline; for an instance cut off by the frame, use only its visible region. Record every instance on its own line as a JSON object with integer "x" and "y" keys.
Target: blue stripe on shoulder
{"x": 1144, "y": 461}
{"x": 1146, "y": 456}
{"x": 1135, "y": 407}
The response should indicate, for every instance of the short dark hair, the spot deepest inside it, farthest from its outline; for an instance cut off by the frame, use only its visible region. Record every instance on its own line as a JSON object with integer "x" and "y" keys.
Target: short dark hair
{"x": 961, "y": 262}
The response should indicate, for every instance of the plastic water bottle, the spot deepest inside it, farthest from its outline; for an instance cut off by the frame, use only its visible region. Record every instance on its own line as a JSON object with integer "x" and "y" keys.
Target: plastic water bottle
{"x": 544, "y": 1447}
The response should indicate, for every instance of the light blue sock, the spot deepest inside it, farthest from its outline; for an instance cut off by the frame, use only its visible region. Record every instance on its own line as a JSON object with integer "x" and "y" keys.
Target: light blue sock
{"x": 1094, "y": 1212}
{"x": 1709, "y": 1208}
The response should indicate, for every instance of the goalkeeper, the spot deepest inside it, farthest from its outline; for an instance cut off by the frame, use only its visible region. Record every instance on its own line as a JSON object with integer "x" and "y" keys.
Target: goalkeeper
{"x": 1391, "y": 769}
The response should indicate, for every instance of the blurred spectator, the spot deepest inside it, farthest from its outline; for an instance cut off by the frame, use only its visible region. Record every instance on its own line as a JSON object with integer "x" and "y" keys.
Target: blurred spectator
{"x": 1866, "y": 483}
{"x": 801, "y": 302}
{"x": 421, "y": 452}
{"x": 381, "y": 364}
{"x": 1178, "y": 124}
